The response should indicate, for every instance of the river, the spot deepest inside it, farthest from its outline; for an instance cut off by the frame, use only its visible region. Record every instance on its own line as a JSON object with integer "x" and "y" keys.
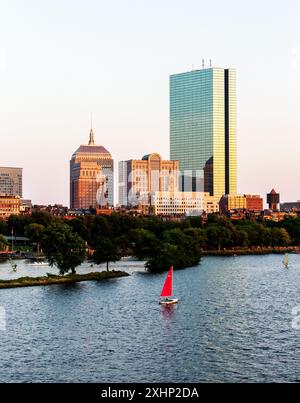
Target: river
{"x": 233, "y": 323}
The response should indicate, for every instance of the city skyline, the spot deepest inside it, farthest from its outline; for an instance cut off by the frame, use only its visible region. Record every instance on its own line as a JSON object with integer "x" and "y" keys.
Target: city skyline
{"x": 50, "y": 82}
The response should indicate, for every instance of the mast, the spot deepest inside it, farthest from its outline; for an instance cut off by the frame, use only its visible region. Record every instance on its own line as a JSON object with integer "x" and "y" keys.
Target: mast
{"x": 12, "y": 239}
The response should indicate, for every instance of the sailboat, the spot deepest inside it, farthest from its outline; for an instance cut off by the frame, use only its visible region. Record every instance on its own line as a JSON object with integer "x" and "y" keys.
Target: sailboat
{"x": 13, "y": 265}
{"x": 286, "y": 261}
{"x": 166, "y": 296}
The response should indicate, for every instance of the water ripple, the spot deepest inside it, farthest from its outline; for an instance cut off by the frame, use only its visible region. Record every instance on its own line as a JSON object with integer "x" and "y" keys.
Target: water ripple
{"x": 233, "y": 323}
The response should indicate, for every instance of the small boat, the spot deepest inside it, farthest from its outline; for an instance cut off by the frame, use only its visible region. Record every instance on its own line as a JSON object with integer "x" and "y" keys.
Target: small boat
{"x": 166, "y": 296}
{"x": 38, "y": 264}
{"x": 286, "y": 261}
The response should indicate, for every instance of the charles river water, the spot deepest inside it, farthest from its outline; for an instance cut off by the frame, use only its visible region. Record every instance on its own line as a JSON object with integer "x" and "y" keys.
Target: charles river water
{"x": 235, "y": 322}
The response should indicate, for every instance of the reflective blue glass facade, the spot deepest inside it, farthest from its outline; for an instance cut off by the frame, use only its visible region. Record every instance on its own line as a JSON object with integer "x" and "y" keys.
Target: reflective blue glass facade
{"x": 203, "y": 129}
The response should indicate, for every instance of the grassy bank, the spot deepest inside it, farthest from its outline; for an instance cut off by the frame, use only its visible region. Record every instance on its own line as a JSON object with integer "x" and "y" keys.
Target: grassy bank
{"x": 251, "y": 251}
{"x": 68, "y": 279}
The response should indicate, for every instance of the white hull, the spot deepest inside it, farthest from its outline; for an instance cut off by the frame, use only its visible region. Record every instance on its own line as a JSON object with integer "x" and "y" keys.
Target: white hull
{"x": 169, "y": 301}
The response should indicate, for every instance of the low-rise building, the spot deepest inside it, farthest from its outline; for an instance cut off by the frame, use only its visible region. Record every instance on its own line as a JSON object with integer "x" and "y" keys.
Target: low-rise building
{"x": 277, "y": 216}
{"x": 211, "y": 204}
{"x": 9, "y": 205}
{"x": 241, "y": 202}
{"x": 183, "y": 203}
{"x": 56, "y": 210}
{"x": 25, "y": 206}
{"x": 290, "y": 206}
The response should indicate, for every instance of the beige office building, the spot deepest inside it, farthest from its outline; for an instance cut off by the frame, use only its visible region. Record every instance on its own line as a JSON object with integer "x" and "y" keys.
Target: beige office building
{"x": 140, "y": 178}
{"x": 183, "y": 203}
{"x": 11, "y": 181}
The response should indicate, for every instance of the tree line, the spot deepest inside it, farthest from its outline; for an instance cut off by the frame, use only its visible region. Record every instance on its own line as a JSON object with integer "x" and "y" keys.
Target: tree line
{"x": 160, "y": 243}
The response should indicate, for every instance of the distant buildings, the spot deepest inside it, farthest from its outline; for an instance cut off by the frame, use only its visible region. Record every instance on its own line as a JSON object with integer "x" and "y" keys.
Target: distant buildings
{"x": 139, "y": 178}
{"x": 203, "y": 129}
{"x": 91, "y": 177}
{"x": 11, "y": 181}
{"x": 25, "y": 206}
{"x": 290, "y": 206}
{"x": 241, "y": 202}
{"x": 11, "y": 191}
{"x": 123, "y": 183}
{"x": 57, "y": 210}
{"x": 273, "y": 199}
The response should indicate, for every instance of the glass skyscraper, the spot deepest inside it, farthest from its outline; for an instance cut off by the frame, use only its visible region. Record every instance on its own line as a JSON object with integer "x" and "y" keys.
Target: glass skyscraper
{"x": 203, "y": 129}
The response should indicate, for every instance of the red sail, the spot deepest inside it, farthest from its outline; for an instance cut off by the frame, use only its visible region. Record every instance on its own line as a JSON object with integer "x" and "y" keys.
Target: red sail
{"x": 167, "y": 290}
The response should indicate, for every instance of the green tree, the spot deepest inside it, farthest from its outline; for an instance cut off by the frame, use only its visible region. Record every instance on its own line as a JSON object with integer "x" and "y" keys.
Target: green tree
{"x": 198, "y": 235}
{"x": 175, "y": 236}
{"x": 42, "y": 218}
{"x": 35, "y": 232}
{"x": 177, "y": 248}
{"x": 63, "y": 248}
{"x": 280, "y": 237}
{"x": 78, "y": 226}
{"x": 100, "y": 227}
{"x": 195, "y": 222}
{"x": 258, "y": 234}
{"x": 3, "y": 243}
{"x": 107, "y": 251}
{"x": 218, "y": 237}
{"x": 3, "y": 227}
{"x": 163, "y": 259}
{"x": 125, "y": 245}
{"x": 292, "y": 226}
{"x": 242, "y": 238}
{"x": 18, "y": 224}
{"x": 144, "y": 243}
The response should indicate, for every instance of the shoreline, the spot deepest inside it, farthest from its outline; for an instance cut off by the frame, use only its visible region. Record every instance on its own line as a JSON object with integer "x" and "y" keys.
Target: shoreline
{"x": 249, "y": 252}
{"x": 56, "y": 279}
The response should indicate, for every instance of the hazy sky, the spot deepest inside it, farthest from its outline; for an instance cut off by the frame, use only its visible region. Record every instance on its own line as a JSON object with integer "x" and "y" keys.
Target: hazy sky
{"x": 62, "y": 59}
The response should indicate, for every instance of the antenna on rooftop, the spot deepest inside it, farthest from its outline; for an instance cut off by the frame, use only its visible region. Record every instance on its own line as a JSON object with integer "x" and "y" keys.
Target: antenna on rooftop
{"x": 92, "y": 141}
{"x": 203, "y": 63}
{"x": 210, "y": 63}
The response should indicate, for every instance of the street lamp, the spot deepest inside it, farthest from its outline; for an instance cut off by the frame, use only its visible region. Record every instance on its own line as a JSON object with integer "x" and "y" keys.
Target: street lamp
{"x": 12, "y": 239}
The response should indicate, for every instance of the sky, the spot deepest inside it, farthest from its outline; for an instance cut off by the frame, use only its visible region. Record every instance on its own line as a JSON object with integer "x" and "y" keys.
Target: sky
{"x": 60, "y": 60}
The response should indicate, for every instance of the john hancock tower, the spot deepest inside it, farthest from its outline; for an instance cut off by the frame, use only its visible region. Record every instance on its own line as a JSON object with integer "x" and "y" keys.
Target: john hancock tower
{"x": 203, "y": 129}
